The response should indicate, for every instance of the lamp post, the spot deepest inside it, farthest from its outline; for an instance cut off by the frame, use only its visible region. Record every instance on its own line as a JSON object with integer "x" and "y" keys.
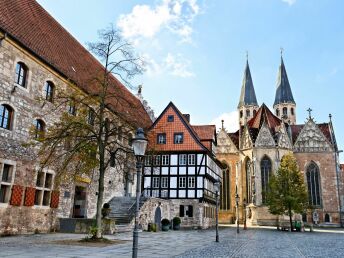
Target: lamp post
{"x": 245, "y": 204}
{"x": 139, "y": 145}
{"x": 237, "y": 198}
{"x": 217, "y": 189}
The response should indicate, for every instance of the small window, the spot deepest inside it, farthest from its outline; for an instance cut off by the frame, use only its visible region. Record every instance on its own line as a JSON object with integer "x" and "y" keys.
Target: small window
{"x": 178, "y": 138}
{"x": 241, "y": 113}
{"x": 120, "y": 133}
{"x": 248, "y": 113}
{"x": 164, "y": 182}
{"x": 6, "y": 179}
{"x": 156, "y": 182}
{"x": 44, "y": 185}
{"x": 130, "y": 139}
{"x": 186, "y": 210}
{"x": 165, "y": 160}
{"x": 182, "y": 182}
{"x": 49, "y": 91}
{"x": 277, "y": 112}
{"x": 72, "y": 108}
{"x": 6, "y": 116}
{"x": 292, "y": 111}
{"x": 148, "y": 160}
{"x": 191, "y": 159}
{"x": 182, "y": 159}
{"x": 21, "y": 73}
{"x": 189, "y": 211}
{"x": 285, "y": 111}
{"x": 157, "y": 160}
{"x": 39, "y": 129}
{"x": 191, "y": 182}
{"x": 91, "y": 116}
{"x": 170, "y": 118}
{"x": 254, "y": 112}
{"x": 161, "y": 138}
{"x": 112, "y": 159}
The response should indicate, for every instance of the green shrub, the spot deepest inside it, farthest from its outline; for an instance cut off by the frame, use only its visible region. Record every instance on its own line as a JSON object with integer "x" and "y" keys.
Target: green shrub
{"x": 165, "y": 222}
{"x": 176, "y": 221}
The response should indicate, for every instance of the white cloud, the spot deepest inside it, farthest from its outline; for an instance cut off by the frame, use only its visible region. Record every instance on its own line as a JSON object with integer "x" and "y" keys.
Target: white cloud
{"x": 175, "y": 65}
{"x": 231, "y": 121}
{"x": 146, "y": 21}
{"x": 289, "y": 2}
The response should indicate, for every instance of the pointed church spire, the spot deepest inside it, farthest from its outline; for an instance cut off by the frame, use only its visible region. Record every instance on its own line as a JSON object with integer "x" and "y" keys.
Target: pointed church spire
{"x": 248, "y": 95}
{"x": 283, "y": 91}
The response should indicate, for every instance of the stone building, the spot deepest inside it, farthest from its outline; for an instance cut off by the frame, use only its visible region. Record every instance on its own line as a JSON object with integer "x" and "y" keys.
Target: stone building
{"x": 37, "y": 57}
{"x": 254, "y": 152}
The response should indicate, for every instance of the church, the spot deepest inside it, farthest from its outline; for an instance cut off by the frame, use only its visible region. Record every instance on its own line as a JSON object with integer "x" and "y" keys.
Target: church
{"x": 251, "y": 154}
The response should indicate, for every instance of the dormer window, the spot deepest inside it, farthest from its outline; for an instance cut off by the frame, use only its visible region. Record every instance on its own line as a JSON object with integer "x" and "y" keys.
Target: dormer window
{"x": 170, "y": 118}
{"x": 21, "y": 71}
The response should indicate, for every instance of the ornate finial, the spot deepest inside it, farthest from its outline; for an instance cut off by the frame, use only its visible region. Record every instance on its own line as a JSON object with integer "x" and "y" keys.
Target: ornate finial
{"x": 330, "y": 116}
{"x": 139, "y": 89}
{"x": 282, "y": 49}
{"x": 309, "y": 110}
{"x": 222, "y": 121}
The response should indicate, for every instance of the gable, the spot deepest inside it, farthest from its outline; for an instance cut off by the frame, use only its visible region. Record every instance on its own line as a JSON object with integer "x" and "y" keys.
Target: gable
{"x": 225, "y": 143}
{"x": 246, "y": 141}
{"x": 264, "y": 138}
{"x": 163, "y": 126}
{"x": 311, "y": 139}
{"x": 283, "y": 138}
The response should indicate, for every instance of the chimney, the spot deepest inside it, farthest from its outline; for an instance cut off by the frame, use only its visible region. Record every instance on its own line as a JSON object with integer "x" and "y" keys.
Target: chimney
{"x": 187, "y": 117}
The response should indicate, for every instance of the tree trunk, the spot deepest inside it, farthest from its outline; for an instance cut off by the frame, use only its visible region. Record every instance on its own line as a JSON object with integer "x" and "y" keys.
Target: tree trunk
{"x": 290, "y": 218}
{"x": 100, "y": 191}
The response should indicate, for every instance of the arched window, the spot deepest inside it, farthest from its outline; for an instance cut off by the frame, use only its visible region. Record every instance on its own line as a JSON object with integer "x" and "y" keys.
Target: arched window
{"x": 72, "y": 107}
{"x": 225, "y": 191}
{"x": 292, "y": 111}
{"x": 327, "y": 218}
{"x": 39, "y": 128}
{"x": 277, "y": 112}
{"x": 49, "y": 91}
{"x": 265, "y": 168}
{"x": 241, "y": 113}
{"x": 248, "y": 180}
{"x": 91, "y": 116}
{"x": 248, "y": 113}
{"x": 285, "y": 111}
{"x": 313, "y": 183}
{"x": 21, "y": 71}
{"x": 6, "y": 116}
{"x": 254, "y": 112}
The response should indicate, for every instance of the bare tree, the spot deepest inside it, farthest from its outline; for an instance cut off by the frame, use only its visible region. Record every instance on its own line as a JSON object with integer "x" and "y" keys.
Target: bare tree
{"x": 89, "y": 133}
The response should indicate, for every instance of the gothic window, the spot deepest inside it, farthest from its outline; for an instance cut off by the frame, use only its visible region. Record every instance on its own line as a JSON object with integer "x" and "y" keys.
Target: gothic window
{"x": 21, "y": 71}
{"x": 248, "y": 113}
{"x": 292, "y": 111}
{"x": 49, "y": 91}
{"x": 225, "y": 191}
{"x": 248, "y": 180}
{"x": 313, "y": 183}
{"x": 39, "y": 128}
{"x": 277, "y": 112}
{"x": 6, "y": 115}
{"x": 285, "y": 111}
{"x": 254, "y": 112}
{"x": 241, "y": 113}
{"x": 265, "y": 168}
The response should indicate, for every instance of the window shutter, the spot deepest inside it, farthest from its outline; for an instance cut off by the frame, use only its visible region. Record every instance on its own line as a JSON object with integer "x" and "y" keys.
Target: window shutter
{"x": 190, "y": 211}
{"x": 181, "y": 211}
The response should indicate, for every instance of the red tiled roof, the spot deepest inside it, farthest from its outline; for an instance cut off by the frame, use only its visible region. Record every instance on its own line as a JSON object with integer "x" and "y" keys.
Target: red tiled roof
{"x": 31, "y": 26}
{"x": 235, "y": 138}
{"x": 205, "y": 132}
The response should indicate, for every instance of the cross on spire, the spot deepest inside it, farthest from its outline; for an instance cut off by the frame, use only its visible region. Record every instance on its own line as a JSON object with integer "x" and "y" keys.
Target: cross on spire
{"x": 222, "y": 121}
{"x": 282, "y": 49}
{"x": 309, "y": 110}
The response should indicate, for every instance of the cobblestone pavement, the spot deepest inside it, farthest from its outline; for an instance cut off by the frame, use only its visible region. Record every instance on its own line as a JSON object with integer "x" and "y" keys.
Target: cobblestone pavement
{"x": 254, "y": 242}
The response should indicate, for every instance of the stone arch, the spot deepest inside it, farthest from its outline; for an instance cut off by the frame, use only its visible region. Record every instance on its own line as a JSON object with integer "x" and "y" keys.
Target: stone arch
{"x": 266, "y": 171}
{"x": 225, "y": 190}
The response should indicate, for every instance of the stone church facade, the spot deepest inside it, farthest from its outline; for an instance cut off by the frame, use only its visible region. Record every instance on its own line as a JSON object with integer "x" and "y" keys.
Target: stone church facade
{"x": 254, "y": 152}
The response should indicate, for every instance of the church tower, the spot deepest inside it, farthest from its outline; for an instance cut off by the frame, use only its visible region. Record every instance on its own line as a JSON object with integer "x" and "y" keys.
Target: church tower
{"x": 248, "y": 105}
{"x": 284, "y": 105}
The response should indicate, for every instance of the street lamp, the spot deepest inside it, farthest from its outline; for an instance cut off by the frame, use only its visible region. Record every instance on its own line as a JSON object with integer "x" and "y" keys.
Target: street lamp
{"x": 245, "y": 204}
{"x": 237, "y": 199}
{"x": 217, "y": 189}
{"x": 139, "y": 145}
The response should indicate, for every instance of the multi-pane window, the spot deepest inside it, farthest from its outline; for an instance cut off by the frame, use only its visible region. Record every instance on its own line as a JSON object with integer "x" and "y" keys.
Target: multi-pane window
{"x": 164, "y": 182}
{"x": 265, "y": 167}
{"x": 157, "y": 160}
{"x": 191, "y": 182}
{"x": 49, "y": 91}
{"x": 21, "y": 72}
{"x": 161, "y": 139}
{"x": 170, "y": 118}
{"x": 6, "y": 180}
{"x": 39, "y": 129}
{"x": 185, "y": 211}
{"x": 91, "y": 116}
{"x": 148, "y": 160}
{"x": 313, "y": 184}
{"x": 72, "y": 108}
{"x": 178, "y": 138}
{"x": 44, "y": 185}
{"x": 165, "y": 159}
{"x": 155, "y": 182}
{"x": 191, "y": 159}
{"x": 6, "y": 116}
{"x": 225, "y": 190}
{"x": 182, "y": 159}
{"x": 182, "y": 182}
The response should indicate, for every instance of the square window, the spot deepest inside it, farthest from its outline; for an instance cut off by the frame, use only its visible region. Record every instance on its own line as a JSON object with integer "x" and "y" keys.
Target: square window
{"x": 4, "y": 193}
{"x": 7, "y": 173}
{"x": 178, "y": 138}
{"x": 182, "y": 159}
{"x": 161, "y": 139}
{"x": 170, "y": 118}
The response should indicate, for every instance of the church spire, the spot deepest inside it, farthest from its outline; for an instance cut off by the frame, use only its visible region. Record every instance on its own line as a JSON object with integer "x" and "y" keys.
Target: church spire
{"x": 248, "y": 104}
{"x": 284, "y": 104}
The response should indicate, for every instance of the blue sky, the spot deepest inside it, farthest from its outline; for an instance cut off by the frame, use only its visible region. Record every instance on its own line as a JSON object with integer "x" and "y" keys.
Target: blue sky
{"x": 196, "y": 51}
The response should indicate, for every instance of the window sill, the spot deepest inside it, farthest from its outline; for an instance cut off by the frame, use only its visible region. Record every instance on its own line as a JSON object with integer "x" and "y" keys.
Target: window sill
{"x": 41, "y": 207}
{"x": 4, "y": 205}
{"x": 18, "y": 86}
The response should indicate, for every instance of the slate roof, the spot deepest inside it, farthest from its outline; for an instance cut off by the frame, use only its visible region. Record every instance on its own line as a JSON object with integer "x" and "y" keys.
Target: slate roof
{"x": 36, "y": 30}
{"x": 283, "y": 91}
{"x": 248, "y": 95}
{"x": 235, "y": 138}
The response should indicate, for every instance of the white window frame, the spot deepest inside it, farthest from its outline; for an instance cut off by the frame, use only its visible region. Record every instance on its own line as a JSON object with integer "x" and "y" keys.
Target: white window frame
{"x": 164, "y": 182}
{"x": 43, "y": 189}
{"x": 191, "y": 182}
{"x": 182, "y": 182}
{"x": 157, "y": 160}
{"x": 148, "y": 160}
{"x": 165, "y": 159}
{"x": 155, "y": 182}
{"x": 191, "y": 159}
{"x": 162, "y": 138}
{"x": 7, "y": 184}
{"x": 182, "y": 157}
